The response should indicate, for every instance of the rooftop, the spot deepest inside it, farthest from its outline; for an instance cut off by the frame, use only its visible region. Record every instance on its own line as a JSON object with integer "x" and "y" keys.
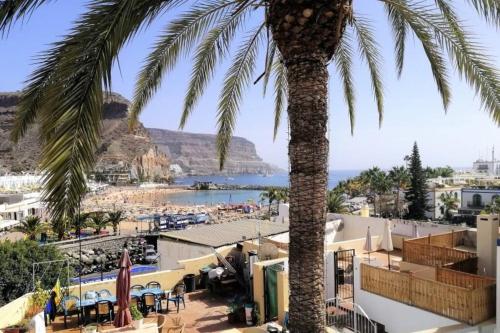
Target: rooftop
{"x": 217, "y": 235}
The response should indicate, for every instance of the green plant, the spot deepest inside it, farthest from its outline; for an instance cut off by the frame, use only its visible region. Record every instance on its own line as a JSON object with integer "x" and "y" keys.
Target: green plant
{"x": 136, "y": 314}
{"x": 38, "y": 299}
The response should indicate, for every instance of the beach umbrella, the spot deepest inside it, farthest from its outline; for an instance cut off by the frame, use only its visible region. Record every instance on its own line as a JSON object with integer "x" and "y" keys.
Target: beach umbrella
{"x": 368, "y": 243}
{"x": 386, "y": 243}
{"x": 123, "y": 316}
{"x": 415, "y": 230}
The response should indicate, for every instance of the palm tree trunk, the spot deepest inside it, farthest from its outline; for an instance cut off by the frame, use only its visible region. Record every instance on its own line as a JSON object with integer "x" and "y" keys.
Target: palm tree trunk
{"x": 308, "y": 153}
{"x": 397, "y": 203}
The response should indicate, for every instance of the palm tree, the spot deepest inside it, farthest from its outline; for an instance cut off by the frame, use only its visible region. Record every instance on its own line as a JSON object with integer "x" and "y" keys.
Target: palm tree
{"x": 31, "y": 226}
{"x": 400, "y": 179}
{"x": 335, "y": 202}
{"x": 98, "y": 221}
{"x": 60, "y": 226}
{"x": 450, "y": 202}
{"x": 271, "y": 195}
{"x": 494, "y": 207}
{"x": 115, "y": 217}
{"x": 299, "y": 40}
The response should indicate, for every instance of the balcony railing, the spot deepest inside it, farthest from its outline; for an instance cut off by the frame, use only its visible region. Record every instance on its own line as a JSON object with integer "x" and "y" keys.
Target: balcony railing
{"x": 460, "y": 296}
{"x": 475, "y": 205}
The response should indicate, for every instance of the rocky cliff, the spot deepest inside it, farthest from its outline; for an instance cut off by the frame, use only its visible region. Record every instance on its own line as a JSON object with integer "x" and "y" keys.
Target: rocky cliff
{"x": 196, "y": 154}
{"x": 119, "y": 149}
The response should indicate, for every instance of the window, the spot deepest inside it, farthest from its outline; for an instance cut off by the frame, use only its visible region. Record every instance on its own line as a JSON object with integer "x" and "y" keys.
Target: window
{"x": 477, "y": 201}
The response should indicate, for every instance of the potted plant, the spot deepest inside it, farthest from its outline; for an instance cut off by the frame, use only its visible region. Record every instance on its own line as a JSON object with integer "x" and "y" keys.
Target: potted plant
{"x": 232, "y": 313}
{"x": 137, "y": 317}
{"x": 37, "y": 300}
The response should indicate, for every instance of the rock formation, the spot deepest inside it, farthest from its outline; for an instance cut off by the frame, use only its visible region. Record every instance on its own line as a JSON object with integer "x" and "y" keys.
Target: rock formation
{"x": 196, "y": 154}
{"x": 119, "y": 149}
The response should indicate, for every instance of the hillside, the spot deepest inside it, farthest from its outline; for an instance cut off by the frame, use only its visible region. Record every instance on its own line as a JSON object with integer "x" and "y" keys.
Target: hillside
{"x": 119, "y": 149}
{"x": 196, "y": 154}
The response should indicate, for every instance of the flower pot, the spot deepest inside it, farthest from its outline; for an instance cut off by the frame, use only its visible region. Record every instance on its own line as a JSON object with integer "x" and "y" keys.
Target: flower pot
{"x": 90, "y": 329}
{"x": 138, "y": 324}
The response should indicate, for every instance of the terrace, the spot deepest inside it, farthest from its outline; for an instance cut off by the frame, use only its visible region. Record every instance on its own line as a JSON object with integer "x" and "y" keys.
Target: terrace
{"x": 436, "y": 274}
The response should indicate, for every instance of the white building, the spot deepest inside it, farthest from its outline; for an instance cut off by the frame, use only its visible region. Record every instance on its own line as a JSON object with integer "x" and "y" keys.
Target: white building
{"x": 490, "y": 168}
{"x": 15, "y": 207}
{"x": 474, "y": 200}
{"x": 437, "y": 210}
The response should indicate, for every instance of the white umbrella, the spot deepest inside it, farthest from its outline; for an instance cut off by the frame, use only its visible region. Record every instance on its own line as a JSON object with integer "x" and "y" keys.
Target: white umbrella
{"x": 368, "y": 243}
{"x": 415, "y": 230}
{"x": 386, "y": 243}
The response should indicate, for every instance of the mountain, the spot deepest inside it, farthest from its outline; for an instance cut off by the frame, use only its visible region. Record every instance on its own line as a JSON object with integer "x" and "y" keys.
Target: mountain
{"x": 196, "y": 154}
{"x": 119, "y": 149}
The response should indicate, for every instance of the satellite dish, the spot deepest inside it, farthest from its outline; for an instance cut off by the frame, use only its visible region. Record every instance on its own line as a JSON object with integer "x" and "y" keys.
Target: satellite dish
{"x": 268, "y": 251}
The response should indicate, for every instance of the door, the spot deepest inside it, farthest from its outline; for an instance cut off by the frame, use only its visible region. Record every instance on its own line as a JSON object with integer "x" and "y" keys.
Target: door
{"x": 271, "y": 290}
{"x": 343, "y": 266}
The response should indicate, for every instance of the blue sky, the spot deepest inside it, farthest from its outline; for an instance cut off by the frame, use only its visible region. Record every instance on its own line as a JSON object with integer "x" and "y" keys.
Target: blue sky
{"x": 413, "y": 109}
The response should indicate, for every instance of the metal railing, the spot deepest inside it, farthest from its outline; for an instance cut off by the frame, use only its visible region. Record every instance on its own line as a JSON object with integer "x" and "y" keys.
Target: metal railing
{"x": 345, "y": 314}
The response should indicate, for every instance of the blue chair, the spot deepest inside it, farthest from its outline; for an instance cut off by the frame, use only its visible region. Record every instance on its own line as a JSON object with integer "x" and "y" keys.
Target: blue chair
{"x": 69, "y": 307}
{"x": 137, "y": 287}
{"x": 104, "y": 293}
{"x": 180, "y": 290}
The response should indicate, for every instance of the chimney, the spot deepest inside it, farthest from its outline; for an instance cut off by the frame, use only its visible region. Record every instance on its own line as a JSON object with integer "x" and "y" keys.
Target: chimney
{"x": 487, "y": 234}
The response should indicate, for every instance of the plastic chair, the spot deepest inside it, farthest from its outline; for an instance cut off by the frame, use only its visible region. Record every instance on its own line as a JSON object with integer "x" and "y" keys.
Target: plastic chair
{"x": 104, "y": 309}
{"x": 135, "y": 300}
{"x": 137, "y": 287}
{"x": 69, "y": 307}
{"x": 180, "y": 290}
{"x": 104, "y": 293}
{"x": 150, "y": 302}
{"x": 153, "y": 285}
{"x": 177, "y": 327}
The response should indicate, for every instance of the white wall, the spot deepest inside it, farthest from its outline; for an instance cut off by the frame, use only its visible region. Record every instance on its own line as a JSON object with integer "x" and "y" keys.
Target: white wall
{"x": 397, "y": 317}
{"x": 172, "y": 251}
{"x": 356, "y": 226}
{"x": 486, "y": 196}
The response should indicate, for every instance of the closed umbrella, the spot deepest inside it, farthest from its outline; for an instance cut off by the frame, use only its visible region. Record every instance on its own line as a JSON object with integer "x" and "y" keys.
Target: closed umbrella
{"x": 386, "y": 243}
{"x": 368, "y": 243}
{"x": 123, "y": 316}
{"x": 415, "y": 230}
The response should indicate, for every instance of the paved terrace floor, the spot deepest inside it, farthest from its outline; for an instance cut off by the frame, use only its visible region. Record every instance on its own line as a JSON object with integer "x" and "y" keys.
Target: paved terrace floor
{"x": 204, "y": 313}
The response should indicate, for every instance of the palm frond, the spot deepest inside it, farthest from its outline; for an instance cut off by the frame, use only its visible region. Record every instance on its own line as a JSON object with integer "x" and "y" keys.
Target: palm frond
{"x": 236, "y": 79}
{"x": 369, "y": 50}
{"x": 74, "y": 74}
{"x": 343, "y": 60}
{"x": 269, "y": 61}
{"x": 468, "y": 56}
{"x": 177, "y": 39}
{"x": 431, "y": 48}
{"x": 488, "y": 9}
{"x": 399, "y": 31}
{"x": 280, "y": 91}
{"x": 213, "y": 48}
{"x": 15, "y": 10}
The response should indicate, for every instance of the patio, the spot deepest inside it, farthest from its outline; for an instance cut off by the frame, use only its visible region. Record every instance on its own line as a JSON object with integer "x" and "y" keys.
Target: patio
{"x": 204, "y": 313}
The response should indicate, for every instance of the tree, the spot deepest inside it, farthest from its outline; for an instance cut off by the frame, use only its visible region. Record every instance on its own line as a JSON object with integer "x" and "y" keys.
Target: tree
{"x": 98, "y": 221}
{"x": 417, "y": 193}
{"x": 16, "y": 268}
{"x": 31, "y": 226}
{"x": 300, "y": 40}
{"x": 271, "y": 195}
{"x": 450, "y": 202}
{"x": 59, "y": 226}
{"x": 378, "y": 184}
{"x": 115, "y": 217}
{"x": 400, "y": 179}
{"x": 494, "y": 207}
{"x": 336, "y": 202}
{"x": 80, "y": 221}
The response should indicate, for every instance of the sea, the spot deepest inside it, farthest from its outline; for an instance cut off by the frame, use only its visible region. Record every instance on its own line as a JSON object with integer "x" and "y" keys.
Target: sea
{"x": 215, "y": 197}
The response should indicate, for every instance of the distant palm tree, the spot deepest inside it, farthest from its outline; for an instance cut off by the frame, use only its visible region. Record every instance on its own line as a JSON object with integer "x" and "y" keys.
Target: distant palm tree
{"x": 335, "y": 202}
{"x": 80, "y": 221}
{"x": 450, "y": 202}
{"x": 98, "y": 221}
{"x": 400, "y": 178}
{"x": 60, "y": 226}
{"x": 494, "y": 207}
{"x": 270, "y": 195}
{"x": 115, "y": 217}
{"x": 299, "y": 39}
{"x": 31, "y": 226}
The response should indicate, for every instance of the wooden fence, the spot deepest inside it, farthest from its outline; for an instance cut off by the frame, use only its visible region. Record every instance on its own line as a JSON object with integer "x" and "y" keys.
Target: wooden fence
{"x": 432, "y": 255}
{"x": 449, "y": 239}
{"x": 467, "y": 266}
{"x": 468, "y": 305}
{"x": 462, "y": 279}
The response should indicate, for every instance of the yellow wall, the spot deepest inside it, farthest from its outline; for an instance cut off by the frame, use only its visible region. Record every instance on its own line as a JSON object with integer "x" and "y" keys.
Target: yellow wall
{"x": 283, "y": 296}
{"x": 14, "y": 312}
